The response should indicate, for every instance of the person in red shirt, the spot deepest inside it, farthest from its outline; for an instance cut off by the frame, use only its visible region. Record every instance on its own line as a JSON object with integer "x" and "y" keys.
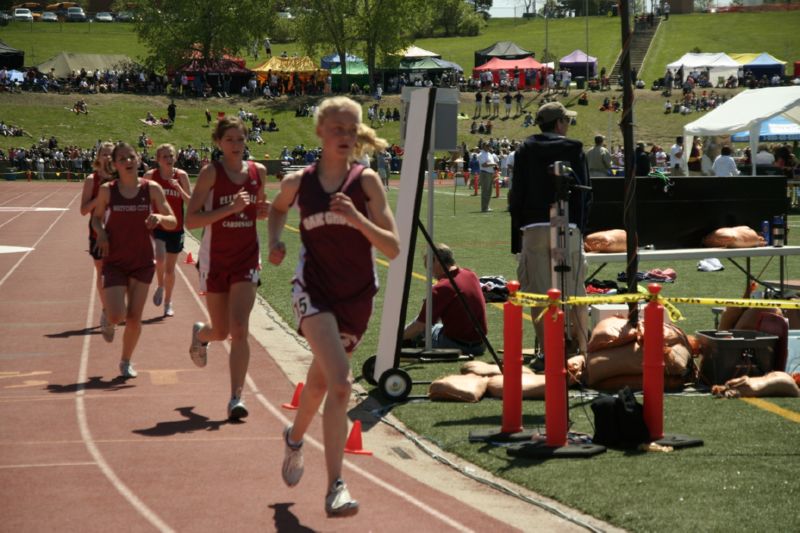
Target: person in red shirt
{"x": 169, "y": 243}
{"x": 102, "y": 173}
{"x": 227, "y": 200}
{"x": 123, "y": 219}
{"x": 452, "y": 325}
{"x": 343, "y": 216}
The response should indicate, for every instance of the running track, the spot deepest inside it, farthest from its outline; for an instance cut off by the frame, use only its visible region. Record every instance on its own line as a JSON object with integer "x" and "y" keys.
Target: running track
{"x": 81, "y": 449}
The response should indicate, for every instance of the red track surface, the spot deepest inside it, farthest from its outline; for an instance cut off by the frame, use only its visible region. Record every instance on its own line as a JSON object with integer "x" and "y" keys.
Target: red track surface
{"x": 83, "y": 450}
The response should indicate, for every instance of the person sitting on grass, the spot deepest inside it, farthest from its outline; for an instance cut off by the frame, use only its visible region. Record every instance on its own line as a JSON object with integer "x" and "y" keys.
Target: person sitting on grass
{"x": 80, "y": 107}
{"x": 453, "y": 326}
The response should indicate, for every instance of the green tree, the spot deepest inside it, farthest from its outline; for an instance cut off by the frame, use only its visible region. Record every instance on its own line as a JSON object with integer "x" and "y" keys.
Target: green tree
{"x": 373, "y": 28}
{"x": 174, "y": 30}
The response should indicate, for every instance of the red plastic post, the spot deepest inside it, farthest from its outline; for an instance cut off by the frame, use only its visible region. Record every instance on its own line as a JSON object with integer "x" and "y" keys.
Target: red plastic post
{"x": 497, "y": 185}
{"x": 512, "y": 364}
{"x": 555, "y": 388}
{"x": 653, "y": 365}
{"x": 475, "y": 186}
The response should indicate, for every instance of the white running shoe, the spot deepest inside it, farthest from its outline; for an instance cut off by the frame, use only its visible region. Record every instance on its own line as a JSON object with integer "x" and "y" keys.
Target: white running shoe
{"x": 126, "y": 370}
{"x": 158, "y": 296}
{"x": 106, "y": 328}
{"x": 198, "y": 350}
{"x": 236, "y": 409}
{"x": 338, "y": 502}
{"x": 292, "y": 469}
{"x": 168, "y": 310}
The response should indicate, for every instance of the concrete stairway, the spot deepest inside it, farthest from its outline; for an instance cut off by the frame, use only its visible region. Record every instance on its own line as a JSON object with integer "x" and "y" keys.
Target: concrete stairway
{"x": 640, "y": 43}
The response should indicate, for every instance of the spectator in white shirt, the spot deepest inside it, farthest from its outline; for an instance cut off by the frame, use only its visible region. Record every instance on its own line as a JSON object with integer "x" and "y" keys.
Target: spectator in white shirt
{"x": 724, "y": 165}
{"x": 764, "y": 157}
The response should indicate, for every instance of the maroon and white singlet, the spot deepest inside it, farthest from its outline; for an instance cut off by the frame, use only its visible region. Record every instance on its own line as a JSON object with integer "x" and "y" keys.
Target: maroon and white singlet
{"x": 174, "y": 199}
{"x": 229, "y": 249}
{"x": 336, "y": 271}
{"x": 130, "y": 252}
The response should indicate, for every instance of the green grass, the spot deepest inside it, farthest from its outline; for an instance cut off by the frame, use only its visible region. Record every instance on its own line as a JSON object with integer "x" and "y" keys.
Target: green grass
{"x": 744, "y": 478}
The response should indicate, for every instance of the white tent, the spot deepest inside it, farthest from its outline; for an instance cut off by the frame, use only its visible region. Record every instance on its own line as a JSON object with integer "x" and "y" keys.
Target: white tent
{"x": 746, "y": 111}
{"x": 416, "y": 52}
{"x": 717, "y": 65}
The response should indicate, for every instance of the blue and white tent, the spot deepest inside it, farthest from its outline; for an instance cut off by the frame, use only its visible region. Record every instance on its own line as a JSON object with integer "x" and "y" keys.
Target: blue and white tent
{"x": 776, "y": 129}
{"x": 332, "y": 60}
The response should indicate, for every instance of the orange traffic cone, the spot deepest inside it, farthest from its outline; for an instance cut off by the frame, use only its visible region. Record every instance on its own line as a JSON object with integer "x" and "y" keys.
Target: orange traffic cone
{"x": 189, "y": 259}
{"x": 353, "y": 444}
{"x": 295, "y": 398}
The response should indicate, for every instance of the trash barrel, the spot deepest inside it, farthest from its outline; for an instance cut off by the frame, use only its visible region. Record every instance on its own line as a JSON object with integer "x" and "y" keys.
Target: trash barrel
{"x": 580, "y": 82}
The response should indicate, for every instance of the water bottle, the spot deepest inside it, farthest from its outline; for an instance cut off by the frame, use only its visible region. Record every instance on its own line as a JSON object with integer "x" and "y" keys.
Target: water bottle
{"x": 766, "y": 232}
{"x": 778, "y": 231}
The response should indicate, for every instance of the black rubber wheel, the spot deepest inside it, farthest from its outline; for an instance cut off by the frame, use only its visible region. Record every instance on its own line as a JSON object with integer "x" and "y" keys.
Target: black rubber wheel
{"x": 368, "y": 370}
{"x": 395, "y": 384}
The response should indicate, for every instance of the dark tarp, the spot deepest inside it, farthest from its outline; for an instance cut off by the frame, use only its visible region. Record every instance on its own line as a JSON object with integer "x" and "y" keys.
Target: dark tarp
{"x": 11, "y": 58}
{"x": 503, "y": 50}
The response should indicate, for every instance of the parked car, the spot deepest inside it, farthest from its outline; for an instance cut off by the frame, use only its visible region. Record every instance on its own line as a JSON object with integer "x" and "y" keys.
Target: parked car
{"x": 22, "y": 14}
{"x": 49, "y": 16}
{"x": 124, "y": 16}
{"x": 104, "y": 16}
{"x": 75, "y": 14}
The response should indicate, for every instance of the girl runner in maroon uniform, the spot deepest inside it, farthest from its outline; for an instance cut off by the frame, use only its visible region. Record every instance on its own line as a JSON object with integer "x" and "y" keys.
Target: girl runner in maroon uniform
{"x": 343, "y": 215}
{"x": 123, "y": 219}
{"x": 228, "y": 198}
{"x": 169, "y": 243}
{"x": 102, "y": 173}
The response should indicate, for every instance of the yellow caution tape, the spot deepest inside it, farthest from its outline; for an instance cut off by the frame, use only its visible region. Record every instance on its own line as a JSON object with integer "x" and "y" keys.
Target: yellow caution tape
{"x": 539, "y": 300}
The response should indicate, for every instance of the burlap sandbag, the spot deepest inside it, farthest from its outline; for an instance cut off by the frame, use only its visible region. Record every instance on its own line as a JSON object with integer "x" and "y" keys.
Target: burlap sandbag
{"x": 742, "y": 318}
{"x": 482, "y": 368}
{"x": 737, "y": 237}
{"x": 612, "y": 331}
{"x": 459, "y": 388}
{"x": 609, "y": 241}
{"x": 532, "y": 386}
{"x": 775, "y": 384}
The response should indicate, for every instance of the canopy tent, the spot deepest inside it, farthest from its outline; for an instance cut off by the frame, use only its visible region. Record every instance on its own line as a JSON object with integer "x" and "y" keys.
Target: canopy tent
{"x": 578, "y": 63}
{"x": 429, "y": 63}
{"x": 415, "y": 52}
{"x": 11, "y": 58}
{"x": 716, "y": 64}
{"x": 522, "y": 67}
{"x": 212, "y": 70}
{"x": 195, "y": 54}
{"x": 357, "y": 72}
{"x": 288, "y": 64}
{"x": 67, "y": 63}
{"x": 776, "y": 129}
{"x": 332, "y": 60}
{"x": 503, "y": 50}
{"x": 765, "y": 65}
{"x": 747, "y": 111}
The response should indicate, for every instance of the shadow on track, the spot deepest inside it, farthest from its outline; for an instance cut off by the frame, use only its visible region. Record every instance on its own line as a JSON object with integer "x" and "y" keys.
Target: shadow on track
{"x": 193, "y": 422}
{"x": 286, "y": 521}
{"x": 94, "y": 383}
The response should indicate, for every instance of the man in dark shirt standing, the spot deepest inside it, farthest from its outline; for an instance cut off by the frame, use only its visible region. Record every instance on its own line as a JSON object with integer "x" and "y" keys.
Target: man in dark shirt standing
{"x": 532, "y": 193}
{"x": 452, "y": 326}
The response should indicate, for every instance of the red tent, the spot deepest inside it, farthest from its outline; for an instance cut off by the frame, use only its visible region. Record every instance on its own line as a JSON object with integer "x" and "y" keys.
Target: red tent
{"x": 523, "y": 67}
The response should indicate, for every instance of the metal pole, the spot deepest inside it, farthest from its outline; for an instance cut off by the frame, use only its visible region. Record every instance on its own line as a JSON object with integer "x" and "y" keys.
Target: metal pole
{"x": 626, "y": 125}
{"x": 431, "y": 254}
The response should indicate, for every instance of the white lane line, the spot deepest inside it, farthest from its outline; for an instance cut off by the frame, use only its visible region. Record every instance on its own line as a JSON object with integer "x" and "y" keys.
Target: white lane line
{"x": 47, "y": 465}
{"x": 21, "y": 259}
{"x": 318, "y": 445}
{"x": 86, "y": 435}
{"x": 13, "y": 249}
{"x": 31, "y": 207}
{"x": 24, "y": 209}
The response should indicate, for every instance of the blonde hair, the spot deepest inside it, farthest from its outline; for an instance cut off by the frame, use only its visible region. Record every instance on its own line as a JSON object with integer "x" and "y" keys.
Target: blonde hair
{"x": 97, "y": 162}
{"x": 367, "y": 141}
{"x": 166, "y": 146}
